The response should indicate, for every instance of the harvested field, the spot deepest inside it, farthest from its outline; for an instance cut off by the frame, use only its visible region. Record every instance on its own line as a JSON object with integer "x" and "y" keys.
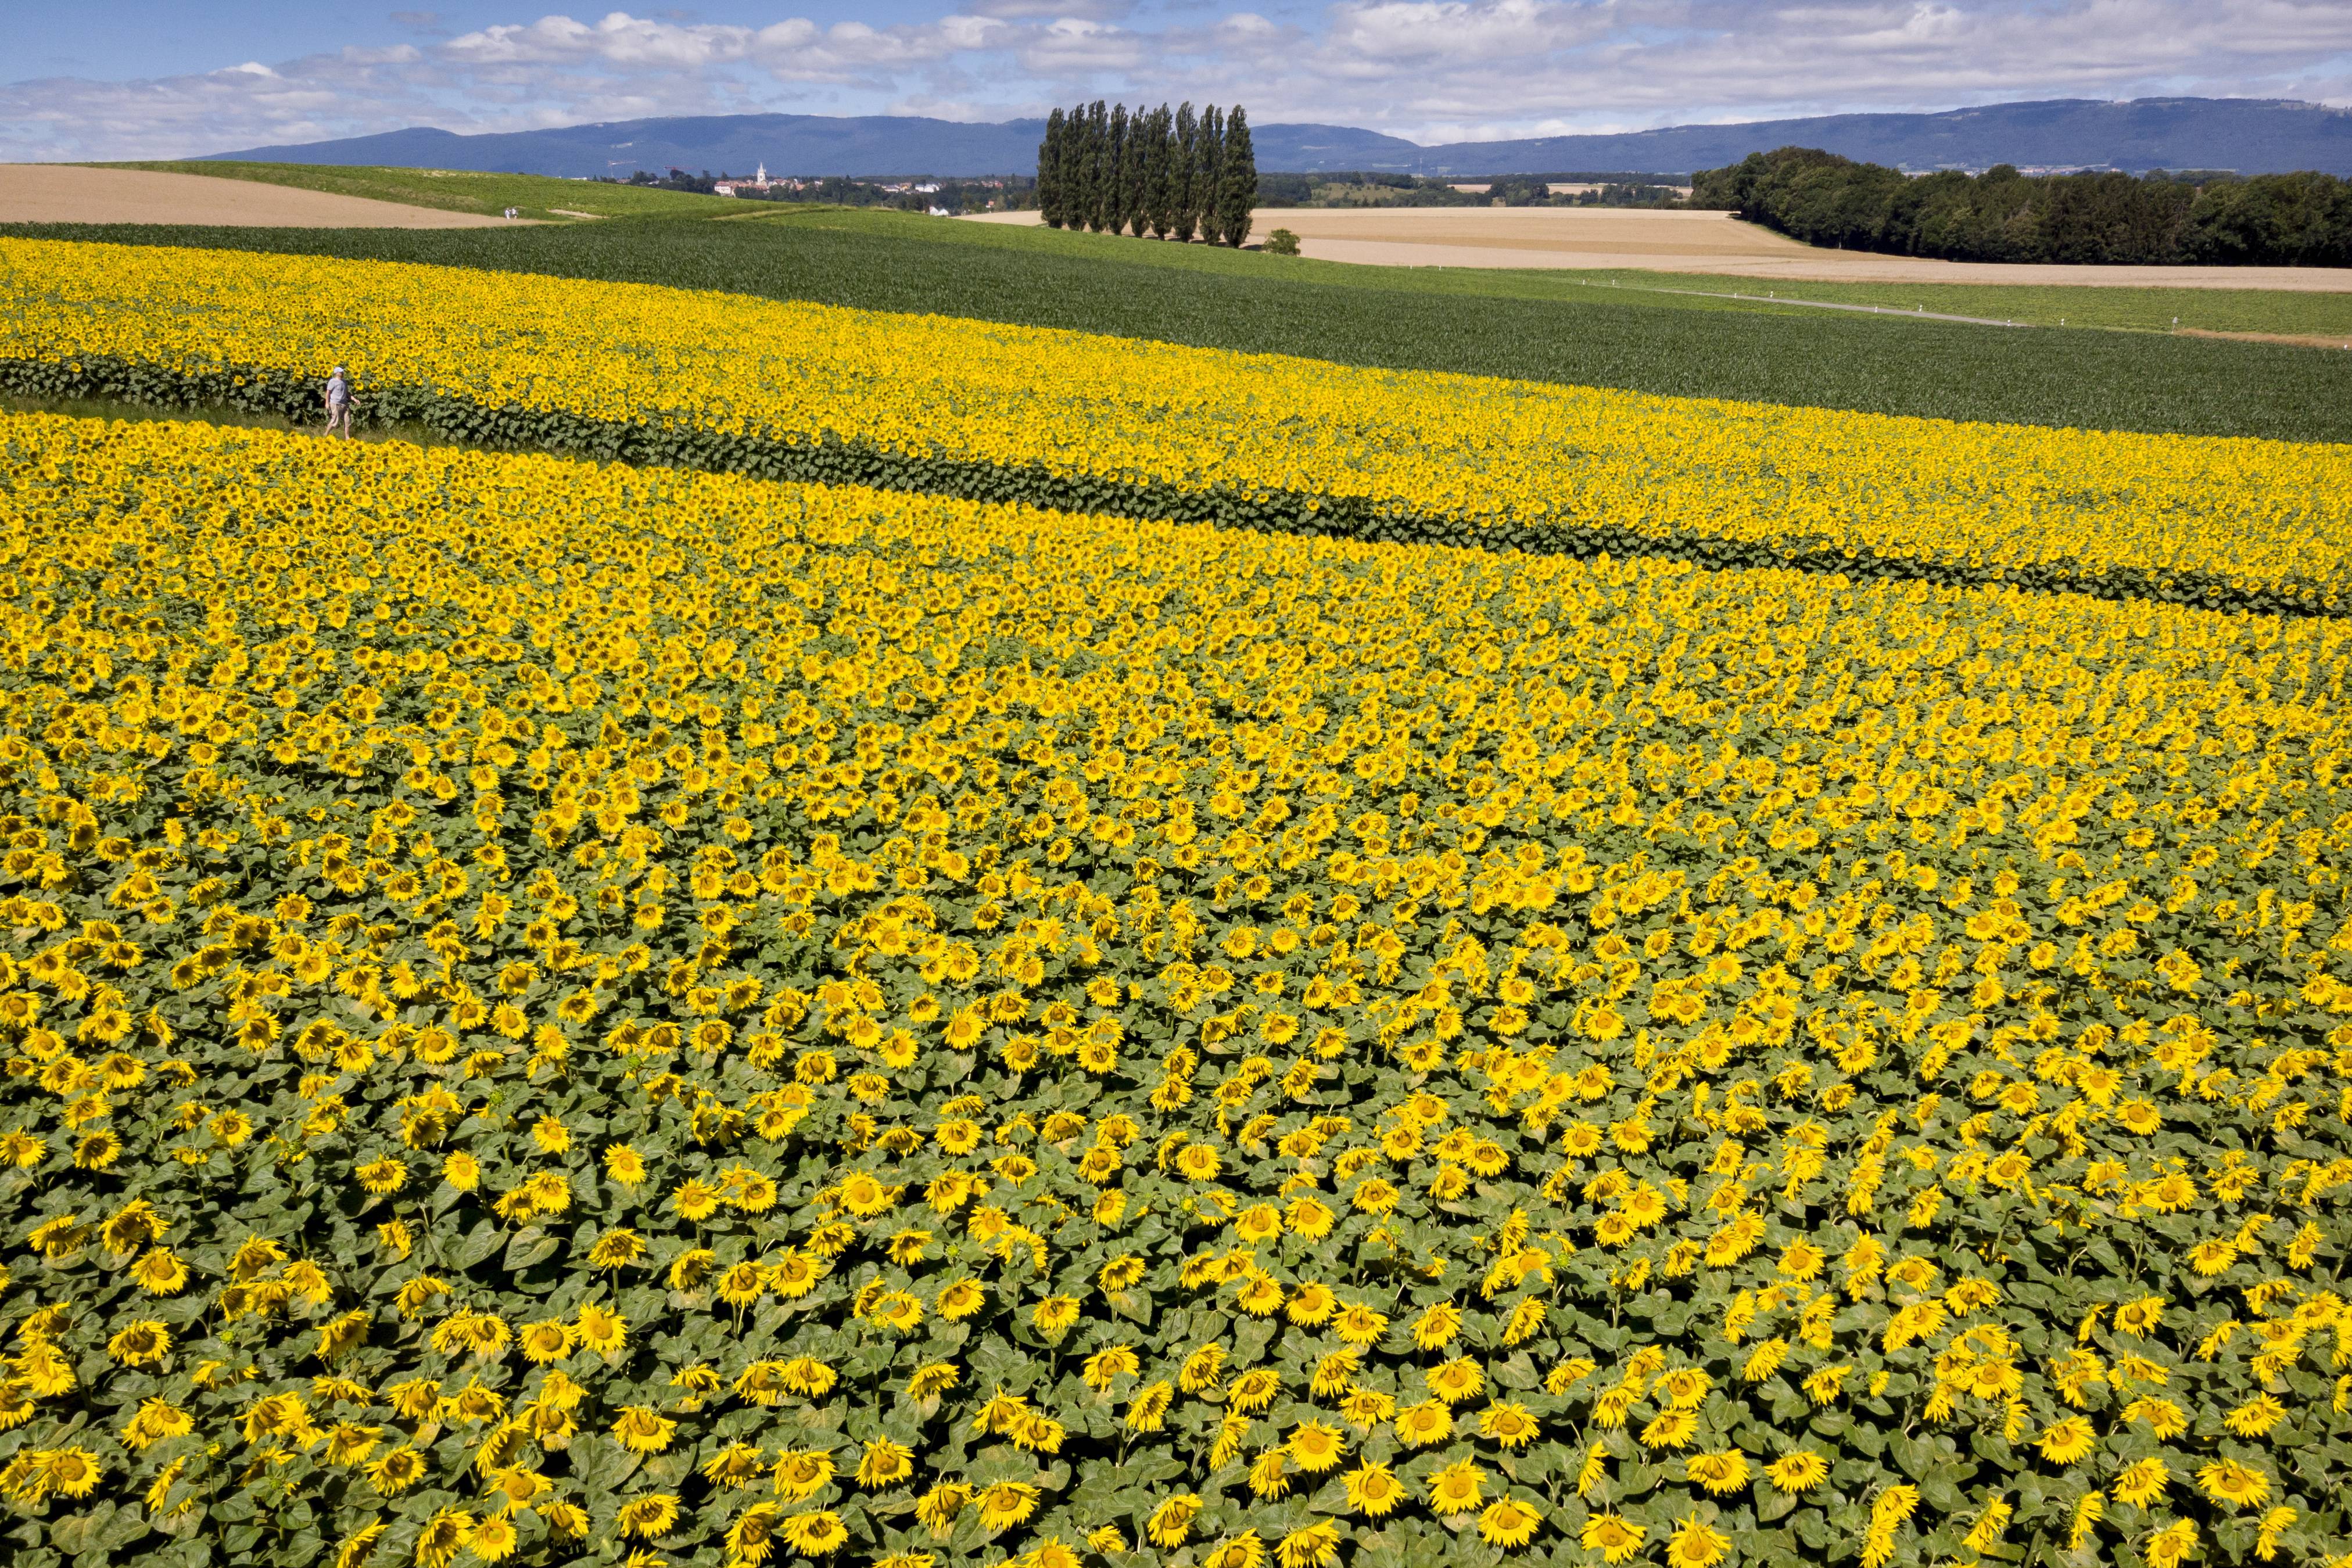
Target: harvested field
{"x": 1590, "y": 239}
{"x": 71, "y": 194}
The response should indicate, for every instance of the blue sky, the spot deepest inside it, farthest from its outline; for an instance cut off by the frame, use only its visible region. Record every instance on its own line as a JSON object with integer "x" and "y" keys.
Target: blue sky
{"x": 128, "y": 79}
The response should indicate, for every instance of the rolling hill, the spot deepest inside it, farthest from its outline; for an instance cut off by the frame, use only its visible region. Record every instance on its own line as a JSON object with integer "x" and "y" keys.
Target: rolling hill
{"x": 2248, "y": 135}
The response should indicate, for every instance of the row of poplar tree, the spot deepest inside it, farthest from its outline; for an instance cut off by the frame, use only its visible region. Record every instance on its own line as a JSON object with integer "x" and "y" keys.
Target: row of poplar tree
{"x": 1168, "y": 174}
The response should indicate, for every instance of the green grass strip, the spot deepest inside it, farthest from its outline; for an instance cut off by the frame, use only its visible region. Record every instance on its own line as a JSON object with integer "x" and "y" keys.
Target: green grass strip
{"x": 679, "y": 443}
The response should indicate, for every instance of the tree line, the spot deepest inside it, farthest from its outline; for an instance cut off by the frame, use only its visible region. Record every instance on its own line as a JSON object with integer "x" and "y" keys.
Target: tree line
{"x": 1172, "y": 174}
{"x": 2268, "y": 219}
{"x": 1013, "y": 192}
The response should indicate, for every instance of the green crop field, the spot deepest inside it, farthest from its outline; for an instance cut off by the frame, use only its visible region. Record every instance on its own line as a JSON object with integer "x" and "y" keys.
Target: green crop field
{"x": 2274, "y": 310}
{"x": 1400, "y": 318}
{"x": 459, "y": 190}
{"x": 2131, "y": 309}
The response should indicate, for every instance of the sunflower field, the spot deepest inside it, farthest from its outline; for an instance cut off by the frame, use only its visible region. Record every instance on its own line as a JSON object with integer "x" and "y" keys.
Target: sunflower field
{"x": 565, "y": 1011}
{"x": 986, "y": 411}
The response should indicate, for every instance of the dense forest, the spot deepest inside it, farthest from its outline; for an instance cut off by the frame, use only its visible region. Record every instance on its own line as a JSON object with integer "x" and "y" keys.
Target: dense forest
{"x": 2274, "y": 219}
{"x": 1172, "y": 174}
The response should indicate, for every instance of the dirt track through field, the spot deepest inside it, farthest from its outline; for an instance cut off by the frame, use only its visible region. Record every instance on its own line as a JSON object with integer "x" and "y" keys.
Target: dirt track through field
{"x": 69, "y": 193}
{"x": 1602, "y": 239}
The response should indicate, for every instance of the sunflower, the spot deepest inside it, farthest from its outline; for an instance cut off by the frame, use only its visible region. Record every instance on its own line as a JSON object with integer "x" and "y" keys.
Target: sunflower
{"x": 2067, "y": 1442}
{"x": 2169, "y": 1547}
{"x": 741, "y": 1284}
{"x": 617, "y": 1248}
{"x": 382, "y": 1177}
{"x": 441, "y": 1537}
{"x": 358, "y": 1546}
{"x": 1721, "y": 1473}
{"x": 159, "y": 1272}
{"x": 567, "y": 1520}
{"x": 1268, "y": 1479}
{"x": 1509, "y": 1523}
{"x": 802, "y": 1473}
{"x": 1361, "y": 1326}
{"x": 1372, "y": 1489}
{"x": 548, "y": 1340}
{"x": 1006, "y": 1504}
{"x": 1614, "y": 1536}
{"x": 2213, "y": 1257}
{"x": 2256, "y": 1416}
{"x": 647, "y": 1517}
{"x": 1261, "y": 1296}
{"x": 1311, "y": 1546}
{"x": 2234, "y": 1485}
{"x": 1455, "y": 1381}
{"x": 1253, "y": 1390}
{"x": 142, "y": 1344}
{"x": 347, "y": 1444}
{"x": 641, "y": 1431}
{"x": 884, "y": 1464}
{"x": 1036, "y": 1433}
{"x": 70, "y": 1472}
{"x": 1171, "y": 1524}
{"x": 932, "y": 1381}
{"x": 1424, "y": 1424}
{"x": 1797, "y": 1472}
{"x": 816, "y": 1534}
{"x": 937, "y": 1510}
{"x": 493, "y": 1538}
{"x": 695, "y": 1200}
{"x": 2141, "y": 1482}
{"x": 1148, "y": 1410}
{"x": 397, "y": 1471}
{"x": 601, "y": 1330}
{"x": 1312, "y": 1219}
{"x": 792, "y": 1274}
{"x": 959, "y": 1300}
{"x": 751, "y": 1539}
{"x": 1670, "y": 1430}
{"x": 1456, "y": 1489}
{"x": 1242, "y": 1550}
{"x": 1436, "y": 1326}
{"x": 1694, "y": 1544}
{"x": 1986, "y": 1531}
{"x": 1317, "y": 1448}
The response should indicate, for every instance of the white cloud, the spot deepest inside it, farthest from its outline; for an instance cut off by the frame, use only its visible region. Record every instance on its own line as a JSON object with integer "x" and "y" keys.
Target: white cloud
{"x": 1428, "y": 70}
{"x": 1390, "y": 36}
{"x": 1071, "y": 48}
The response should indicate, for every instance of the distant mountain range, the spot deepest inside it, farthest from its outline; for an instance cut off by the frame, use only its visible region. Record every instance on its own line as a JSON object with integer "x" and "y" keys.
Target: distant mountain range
{"x": 2248, "y": 135}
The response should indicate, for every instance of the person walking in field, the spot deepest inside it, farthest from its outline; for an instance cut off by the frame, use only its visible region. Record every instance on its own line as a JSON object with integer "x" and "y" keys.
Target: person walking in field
{"x": 339, "y": 403}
